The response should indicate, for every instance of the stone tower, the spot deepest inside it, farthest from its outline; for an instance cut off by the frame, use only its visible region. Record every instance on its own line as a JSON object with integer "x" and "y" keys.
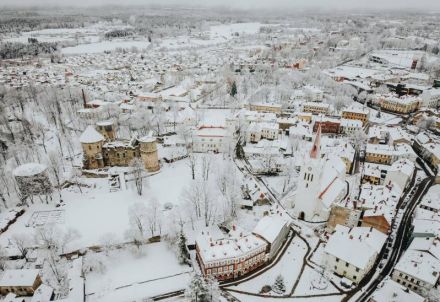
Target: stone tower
{"x": 149, "y": 156}
{"x": 91, "y": 142}
{"x": 107, "y": 129}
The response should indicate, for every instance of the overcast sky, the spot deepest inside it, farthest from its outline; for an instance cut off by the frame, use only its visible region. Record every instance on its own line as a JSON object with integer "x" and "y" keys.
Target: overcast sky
{"x": 427, "y": 5}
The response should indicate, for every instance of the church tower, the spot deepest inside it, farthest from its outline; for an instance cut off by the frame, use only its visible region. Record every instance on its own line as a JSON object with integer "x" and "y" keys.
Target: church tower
{"x": 307, "y": 204}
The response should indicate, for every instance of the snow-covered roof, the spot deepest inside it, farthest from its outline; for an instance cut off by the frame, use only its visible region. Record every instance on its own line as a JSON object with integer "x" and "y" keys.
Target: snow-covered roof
{"x": 29, "y": 169}
{"x": 90, "y": 136}
{"x": 404, "y": 166}
{"x": 391, "y": 291}
{"x": 269, "y": 227}
{"x": 19, "y": 277}
{"x": 375, "y": 196}
{"x": 42, "y": 294}
{"x": 356, "y": 246}
{"x": 432, "y": 198}
{"x": 420, "y": 265}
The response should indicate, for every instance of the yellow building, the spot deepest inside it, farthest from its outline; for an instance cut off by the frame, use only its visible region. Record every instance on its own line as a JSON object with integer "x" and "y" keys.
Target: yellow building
{"x": 317, "y": 108}
{"x": 266, "y": 107}
{"x": 22, "y": 282}
{"x": 380, "y": 154}
{"x": 356, "y": 114}
{"x": 402, "y": 105}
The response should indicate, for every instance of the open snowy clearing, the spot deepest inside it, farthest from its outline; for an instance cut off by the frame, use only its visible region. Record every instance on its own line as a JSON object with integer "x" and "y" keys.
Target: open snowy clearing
{"x": 104, "y": 46}
{"x": 138, "y": 276}
{"x": 99, "y": 212}
{"x": 312, "y": 283}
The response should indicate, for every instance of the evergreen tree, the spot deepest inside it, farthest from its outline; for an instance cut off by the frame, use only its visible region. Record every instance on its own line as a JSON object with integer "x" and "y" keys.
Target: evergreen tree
{"x": 233, "y": 91}
{"x": 279, "y": 287}
{"x": 184, "y": 257}
{"x": 198, "y": 290}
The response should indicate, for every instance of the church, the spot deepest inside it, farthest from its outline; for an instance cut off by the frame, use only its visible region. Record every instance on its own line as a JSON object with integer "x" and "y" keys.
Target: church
{"x": 321, "y": 183}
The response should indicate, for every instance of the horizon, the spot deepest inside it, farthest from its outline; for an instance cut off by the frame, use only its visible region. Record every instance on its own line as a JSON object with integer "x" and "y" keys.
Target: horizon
{"x": 425, "y": 6}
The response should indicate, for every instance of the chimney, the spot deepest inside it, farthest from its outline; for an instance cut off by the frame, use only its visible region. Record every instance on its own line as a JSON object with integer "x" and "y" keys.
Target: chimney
{"x": 233, "y": 227}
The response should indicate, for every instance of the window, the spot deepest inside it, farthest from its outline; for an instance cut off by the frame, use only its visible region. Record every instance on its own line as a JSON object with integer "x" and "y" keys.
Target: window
{"x": 357, "y": 269}
{"x": 346, "y": 264}
{"x": 90, "y": 147}
{"x": 337, "y": 259}
{"x": 354, "y": 277}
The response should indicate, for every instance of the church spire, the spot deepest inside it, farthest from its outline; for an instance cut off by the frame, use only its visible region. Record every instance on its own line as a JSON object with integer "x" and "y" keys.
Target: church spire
{"x": 316, "y": 149}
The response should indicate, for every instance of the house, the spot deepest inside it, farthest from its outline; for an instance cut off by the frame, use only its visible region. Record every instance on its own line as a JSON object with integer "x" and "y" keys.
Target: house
{"x": 403, "y": 105}
{"x": 344, "y": 213}
{"x": 350, "y": 126}
{"x": 266, "y": 107}
{"x": 316, "y": 108}
{"x": 380, "y": 154}
{"x": 417, "y": 270}
{"x": 264, "y": 130}
{"x": 22, "y": 282}
{"x": 390, "y": 290}
{"x": 210, "y": 139}
{"x": 351, "y": 253}
{"x": 328, "y": 125}
{"x": 431, "y": 201}
{"x": 274, "y": 230}
{"x": 356, "y": 113}
{"x": 400, "y": 174}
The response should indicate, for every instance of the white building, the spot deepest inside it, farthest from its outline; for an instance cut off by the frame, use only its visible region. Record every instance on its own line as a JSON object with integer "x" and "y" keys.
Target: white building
{"x": 349, "y": 126}
{"x": 320, "y": 185}
{"x": 431, "y": 201}
{"x": 211, "y": 139}
{"x": 263, "y": 130}
{"x": 391, "y": 291}
{"x": 273, "y": 229}
{"x": 400, "y": 174}
{"x": 352, "y": 252}
{"x": 417, "y": 270}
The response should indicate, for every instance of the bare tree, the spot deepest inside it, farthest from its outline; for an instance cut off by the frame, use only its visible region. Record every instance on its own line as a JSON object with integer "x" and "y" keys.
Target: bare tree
{"x": 201, "y": 201}
{"x": 22, "y": 243}
{"x": 192, "y": 163}
{"x": 138, "y": 225}
{"x": 138, "y": 168}
{"x": 55, "y": 165}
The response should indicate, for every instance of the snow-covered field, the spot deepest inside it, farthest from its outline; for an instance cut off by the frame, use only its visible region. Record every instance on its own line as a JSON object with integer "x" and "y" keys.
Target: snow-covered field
{"x": 104, "y": 46}
{"x": 127, "y": 276}
{"x": 98, "y": 212}
{"x": 313, "y": 283}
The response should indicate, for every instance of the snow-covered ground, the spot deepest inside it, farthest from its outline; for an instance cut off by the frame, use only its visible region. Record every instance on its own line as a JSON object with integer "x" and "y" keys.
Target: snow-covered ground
{"x": 246, "y": 298}
{"x": 98, "y": 212}
{"x": 313, "y": 283}
{"x": 127, "y": 276}
{"x": 104, "y": 46}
